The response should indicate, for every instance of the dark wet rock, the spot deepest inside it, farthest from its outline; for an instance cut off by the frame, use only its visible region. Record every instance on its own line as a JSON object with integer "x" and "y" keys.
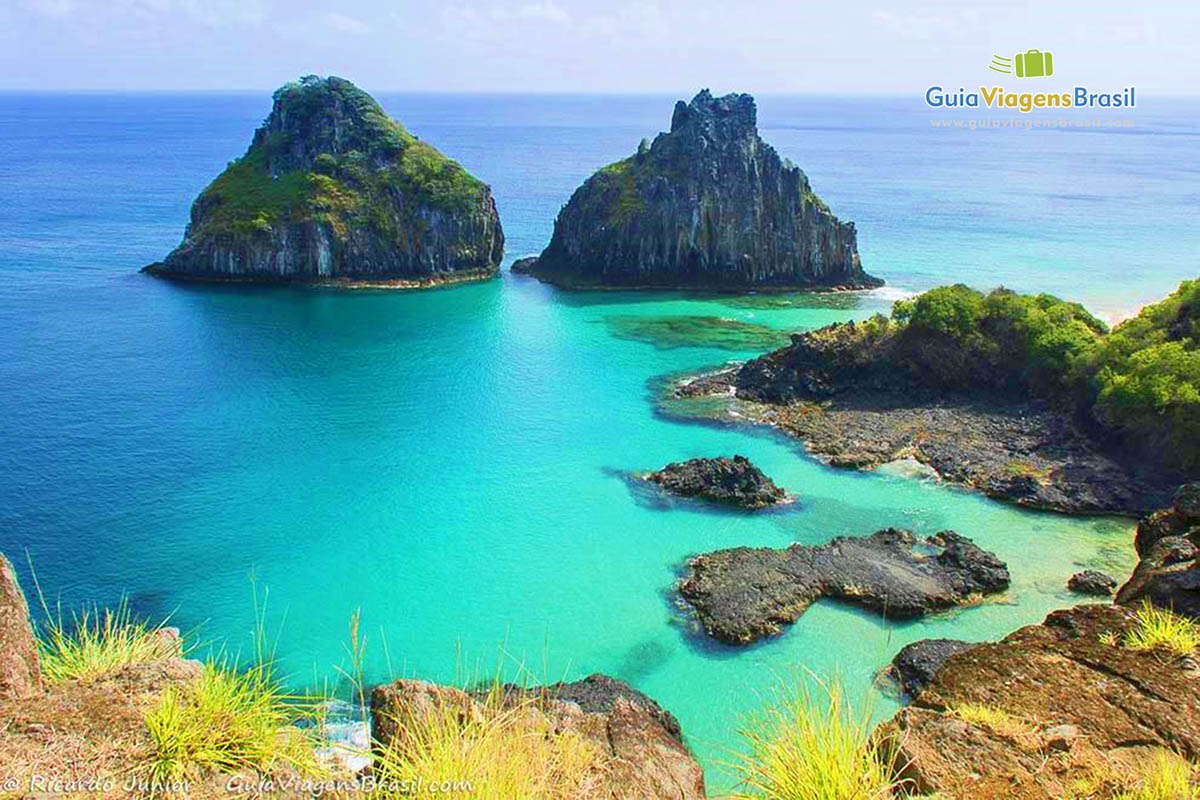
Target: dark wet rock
{"x": 1168, "y": 576}
{"x": 708, "y": 205}
{"x": 1088, "y": 708}
{"x": 1168, "y": 542}
{"x": 732, "y": 481}
{"x": 858, "y": 404}
{"x": 333, "y": 190}
{"x": 641, "y": 742}
{"x": 1180, "y": 519}
{"x": 522, "y": 265}
{"x": 743, "y": 594}
{"x": 916, "y": 664}
{"x": 19, "y": 671}
{"x": 1092, "y": 582}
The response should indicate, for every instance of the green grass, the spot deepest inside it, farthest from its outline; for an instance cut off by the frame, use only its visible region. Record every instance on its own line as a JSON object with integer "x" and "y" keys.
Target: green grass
{"x": 1157, "y": 628}
{"x": 505, "y": 749}
{"x": 804, "y": 748}
{"x": 97, "y": 642}
{"x": 994, "y": 719}
{"x": 1166, "y": 776}
{"x": 229, "y": 720}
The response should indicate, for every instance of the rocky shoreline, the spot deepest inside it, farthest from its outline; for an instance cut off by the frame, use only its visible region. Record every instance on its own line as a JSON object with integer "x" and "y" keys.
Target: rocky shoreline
{"x": 158, "y": 270}
{"x": 1025, "y": 453}
{"x": 1060, "y": 709}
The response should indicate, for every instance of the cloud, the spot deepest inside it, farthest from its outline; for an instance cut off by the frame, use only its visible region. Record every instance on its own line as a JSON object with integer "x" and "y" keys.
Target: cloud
{"x": 345, "y": 24}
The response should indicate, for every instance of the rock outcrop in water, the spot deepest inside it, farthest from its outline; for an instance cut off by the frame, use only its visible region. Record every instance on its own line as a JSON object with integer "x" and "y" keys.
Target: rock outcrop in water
{"x": 745, "y": 593}
{"x": 708, "y": 205}
{"x": 730, "y": 481}
{"x": 333, "y": 190}
{"x": 915, "y": 666}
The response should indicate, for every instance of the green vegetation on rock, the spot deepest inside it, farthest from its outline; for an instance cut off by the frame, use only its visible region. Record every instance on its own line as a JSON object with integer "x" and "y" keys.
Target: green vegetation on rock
{"x": 1141, "y": 381}
{"x": 269, "y": 184}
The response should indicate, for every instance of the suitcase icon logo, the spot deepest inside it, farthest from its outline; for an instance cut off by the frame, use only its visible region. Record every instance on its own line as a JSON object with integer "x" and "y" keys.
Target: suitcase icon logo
{"x": 1030, "y": 64}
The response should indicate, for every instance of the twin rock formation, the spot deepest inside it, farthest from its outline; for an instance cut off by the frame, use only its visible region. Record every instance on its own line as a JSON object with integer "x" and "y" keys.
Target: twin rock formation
{"x": 332, "y": 190}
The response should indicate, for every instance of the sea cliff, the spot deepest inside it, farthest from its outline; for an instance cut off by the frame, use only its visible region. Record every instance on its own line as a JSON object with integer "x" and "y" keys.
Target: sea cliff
{"x": 333, "y": 190}
{"x": 707, "y": 205}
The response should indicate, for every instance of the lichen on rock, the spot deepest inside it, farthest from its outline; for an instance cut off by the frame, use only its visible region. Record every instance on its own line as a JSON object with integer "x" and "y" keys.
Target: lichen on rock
{"x": 708, "y": 205}
{"x": 332, "y": 189}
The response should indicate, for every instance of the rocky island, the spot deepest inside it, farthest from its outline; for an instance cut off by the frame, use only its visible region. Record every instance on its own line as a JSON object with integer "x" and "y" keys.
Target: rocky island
{"x": 744, "y": 593}
{"x": 707, "y": 205}
{"x": 334, "y": 191}
{"x": 1027, "y": 398}
{"x": 730, "y": 481}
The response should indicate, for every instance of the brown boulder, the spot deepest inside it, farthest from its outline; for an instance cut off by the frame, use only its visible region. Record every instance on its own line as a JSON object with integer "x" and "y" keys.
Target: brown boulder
{"x": 645, "y": 756}
{"x": 1083, "y": 708}
{"x": 19, "y": 672}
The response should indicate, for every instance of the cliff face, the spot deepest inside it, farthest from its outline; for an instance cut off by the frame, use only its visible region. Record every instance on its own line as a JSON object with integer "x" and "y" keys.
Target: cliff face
{"x": 333, "y": 189}
{"x": 707, "y": 205}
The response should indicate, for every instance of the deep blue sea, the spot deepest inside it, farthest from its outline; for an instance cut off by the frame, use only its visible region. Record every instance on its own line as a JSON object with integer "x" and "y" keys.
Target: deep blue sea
{"x": 451, "y": 462}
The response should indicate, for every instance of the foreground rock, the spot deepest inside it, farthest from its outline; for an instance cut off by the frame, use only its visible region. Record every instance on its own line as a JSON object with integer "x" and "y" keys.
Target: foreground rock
{"x": 1081, "y": 716}
{"x": 79, "y": 733}
{"x": 642, "y": 743}
{"x": 1168, "y": 542}
{"x": 916, "y": 664}
{"x": 731, "y": 481}
{"x": 19, "y": 672}
{"x": 708, "y": 205}
{"x": 332, "y": 190}
{"x": 1092, "y": 582}
{"x": 859, "y": 405}
{"x": 744, "y": 593}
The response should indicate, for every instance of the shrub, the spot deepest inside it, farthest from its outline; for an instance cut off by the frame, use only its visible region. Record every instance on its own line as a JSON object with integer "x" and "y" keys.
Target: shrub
{"x": 804, "y": 749}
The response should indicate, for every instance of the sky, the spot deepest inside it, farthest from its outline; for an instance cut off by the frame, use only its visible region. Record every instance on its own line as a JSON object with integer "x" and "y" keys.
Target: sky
{"x": 620, "y": 46}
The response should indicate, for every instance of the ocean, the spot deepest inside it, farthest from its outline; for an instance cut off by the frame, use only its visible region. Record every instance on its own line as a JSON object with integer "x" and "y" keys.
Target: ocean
{"x": 455, "y": 462}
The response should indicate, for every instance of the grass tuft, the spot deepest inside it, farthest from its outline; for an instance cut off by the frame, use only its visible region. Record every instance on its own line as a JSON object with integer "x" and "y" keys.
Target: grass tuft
{"x": 508, "y": 749}
{"x": 98, "y": 642}
{"x": 804, "y": 749}
{"x": 229, "y": 720}
{"x": 994, "y": 719}
{"x": 1158, "y": 628}
{"x": 1166, "y": 776}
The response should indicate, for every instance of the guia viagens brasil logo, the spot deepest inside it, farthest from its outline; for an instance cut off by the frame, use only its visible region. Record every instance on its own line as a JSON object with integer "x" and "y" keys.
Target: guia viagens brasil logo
{"x": 1029, "y": 64}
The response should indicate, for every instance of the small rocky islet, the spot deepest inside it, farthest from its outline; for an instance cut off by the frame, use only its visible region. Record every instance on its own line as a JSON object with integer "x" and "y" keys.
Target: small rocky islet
{"x": 743, "y": 594}
{"x": 732, "y": 482}
{"x": 707, "y": 205}
{"x": 333, "y": 191}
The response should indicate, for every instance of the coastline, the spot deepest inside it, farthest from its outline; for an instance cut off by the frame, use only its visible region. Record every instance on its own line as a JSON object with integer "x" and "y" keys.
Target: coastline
{"x": 433, "y": 282}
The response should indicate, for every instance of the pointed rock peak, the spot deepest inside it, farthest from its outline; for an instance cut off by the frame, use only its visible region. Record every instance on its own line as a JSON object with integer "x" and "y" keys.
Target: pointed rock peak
{"x": 331, "y": 115}
{"x": 731, "y": 115}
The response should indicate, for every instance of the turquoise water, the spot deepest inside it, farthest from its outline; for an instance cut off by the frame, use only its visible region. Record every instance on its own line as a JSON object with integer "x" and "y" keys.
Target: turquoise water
{"x": 452, "y": 462}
